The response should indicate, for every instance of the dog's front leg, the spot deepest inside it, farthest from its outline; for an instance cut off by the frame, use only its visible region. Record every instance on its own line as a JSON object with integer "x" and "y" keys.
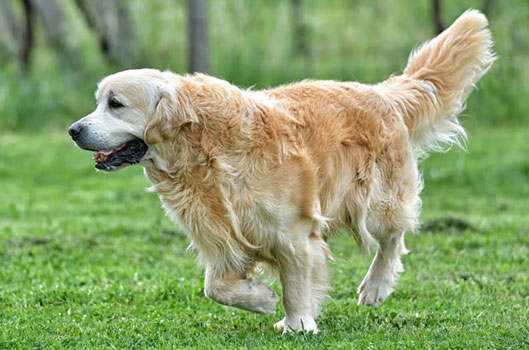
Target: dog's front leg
{"x": 296, "y": 279}
{"x": 238, "y": 291}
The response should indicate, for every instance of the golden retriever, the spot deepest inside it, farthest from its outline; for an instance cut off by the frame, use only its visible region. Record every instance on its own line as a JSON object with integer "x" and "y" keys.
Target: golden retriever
{"x": 268, "y": 176}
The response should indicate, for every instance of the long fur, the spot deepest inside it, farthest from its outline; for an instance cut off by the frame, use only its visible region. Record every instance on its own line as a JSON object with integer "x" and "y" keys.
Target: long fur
{"x": 437, "y": 81}
{"x": 268, "y": 176}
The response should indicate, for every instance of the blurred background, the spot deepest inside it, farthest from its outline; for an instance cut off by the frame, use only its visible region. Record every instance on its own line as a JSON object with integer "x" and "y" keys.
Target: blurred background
{"x": 53, "y": 52}
{"x": 88, "y": 260}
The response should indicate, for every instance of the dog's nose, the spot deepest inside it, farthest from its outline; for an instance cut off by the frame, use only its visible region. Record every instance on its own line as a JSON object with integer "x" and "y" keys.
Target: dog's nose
{"x": 75, "y": 131}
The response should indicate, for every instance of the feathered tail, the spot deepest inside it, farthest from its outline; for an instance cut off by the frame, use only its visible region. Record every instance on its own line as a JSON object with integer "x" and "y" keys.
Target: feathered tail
{"x": 437, "y": 81}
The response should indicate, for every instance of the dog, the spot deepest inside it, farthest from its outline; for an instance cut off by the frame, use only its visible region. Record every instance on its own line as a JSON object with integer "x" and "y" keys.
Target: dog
{"x": 266, "y": 177}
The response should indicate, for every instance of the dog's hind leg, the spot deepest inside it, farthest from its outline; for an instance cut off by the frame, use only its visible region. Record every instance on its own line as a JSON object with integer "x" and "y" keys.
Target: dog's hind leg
{"x": 241, "y": 292}
{"x": 383, "y": 274}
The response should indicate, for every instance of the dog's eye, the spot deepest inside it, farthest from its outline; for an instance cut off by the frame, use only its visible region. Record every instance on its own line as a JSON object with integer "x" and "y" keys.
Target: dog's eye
{"x": 113, "y": 103}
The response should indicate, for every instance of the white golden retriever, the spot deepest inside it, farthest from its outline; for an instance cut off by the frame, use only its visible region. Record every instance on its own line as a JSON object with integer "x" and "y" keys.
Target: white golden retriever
{"x": 268, "y": 176}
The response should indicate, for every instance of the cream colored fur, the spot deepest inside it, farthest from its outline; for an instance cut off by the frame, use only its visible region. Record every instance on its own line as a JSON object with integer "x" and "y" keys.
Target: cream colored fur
{"x": 268, "y": 176}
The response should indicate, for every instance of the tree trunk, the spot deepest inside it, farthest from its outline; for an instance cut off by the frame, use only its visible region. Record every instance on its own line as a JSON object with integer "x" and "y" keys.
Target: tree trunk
{"x": 198, "y": 45}
{"x": 111, "y": 22}
{"x": 300, "y": 29}
{"x": 28, "y": 37}
{"x": 17, "y": 35}
{"x": 437, "y": 16}
{"x": 10, "y": 29}
{"x": 56, "y": 27}
{"x": 487, "y": 6}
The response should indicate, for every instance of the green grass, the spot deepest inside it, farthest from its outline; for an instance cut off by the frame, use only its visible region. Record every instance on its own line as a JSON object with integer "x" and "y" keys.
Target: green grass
{"x": 88, "y": 260}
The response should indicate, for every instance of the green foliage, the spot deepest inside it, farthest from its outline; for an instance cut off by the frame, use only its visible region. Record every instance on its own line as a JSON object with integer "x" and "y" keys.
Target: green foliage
{"x": 252, "y": 45}
{"x": 88, "y": 260}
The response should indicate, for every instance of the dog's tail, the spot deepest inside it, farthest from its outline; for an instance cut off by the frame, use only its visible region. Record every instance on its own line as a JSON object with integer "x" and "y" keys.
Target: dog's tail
{"x": 437, "y": 81}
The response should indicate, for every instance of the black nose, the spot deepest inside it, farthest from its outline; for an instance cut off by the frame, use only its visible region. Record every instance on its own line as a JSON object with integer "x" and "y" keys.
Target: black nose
{"x": 75, "y": 131}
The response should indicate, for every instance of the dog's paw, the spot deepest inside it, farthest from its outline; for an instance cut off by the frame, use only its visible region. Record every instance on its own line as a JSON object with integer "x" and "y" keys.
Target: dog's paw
{"x": 298, "y": 324}
{"x": 268, "y": 300}
{"x": 373, "y": 293}
{"x": 260, "y": 298}
{"x": 280, "y": 325}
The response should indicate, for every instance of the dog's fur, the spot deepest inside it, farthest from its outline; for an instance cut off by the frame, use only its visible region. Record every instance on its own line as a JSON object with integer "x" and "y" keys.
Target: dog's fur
{"x": 267, "y": 176}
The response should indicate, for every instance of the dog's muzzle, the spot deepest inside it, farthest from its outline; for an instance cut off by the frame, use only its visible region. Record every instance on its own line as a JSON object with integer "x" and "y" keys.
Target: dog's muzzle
{"x": 129, "y": 152}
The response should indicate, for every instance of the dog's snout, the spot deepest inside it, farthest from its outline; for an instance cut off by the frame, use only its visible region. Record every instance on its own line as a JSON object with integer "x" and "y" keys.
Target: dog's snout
{"x": 75, "y": 131}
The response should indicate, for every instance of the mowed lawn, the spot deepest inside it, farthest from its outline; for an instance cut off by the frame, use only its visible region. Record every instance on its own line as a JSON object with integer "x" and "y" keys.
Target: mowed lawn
{"x": 88, "y": 260}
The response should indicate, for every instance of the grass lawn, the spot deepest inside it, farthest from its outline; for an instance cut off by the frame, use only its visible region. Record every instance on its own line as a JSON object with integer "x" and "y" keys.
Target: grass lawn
{"x": 89, "y": 260}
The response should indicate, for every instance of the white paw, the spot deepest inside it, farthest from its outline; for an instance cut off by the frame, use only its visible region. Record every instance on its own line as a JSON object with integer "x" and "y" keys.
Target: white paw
{"x": 269, "y": 300}
{"x": 372, "y": 293}
{"x": 260, "y": 299}
{"x": 298, "y": 324}
{"x": 280, "y": 325}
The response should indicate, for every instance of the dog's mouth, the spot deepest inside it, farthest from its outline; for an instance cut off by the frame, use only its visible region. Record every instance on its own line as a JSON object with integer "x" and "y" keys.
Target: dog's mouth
{"x": 130, "y": 152}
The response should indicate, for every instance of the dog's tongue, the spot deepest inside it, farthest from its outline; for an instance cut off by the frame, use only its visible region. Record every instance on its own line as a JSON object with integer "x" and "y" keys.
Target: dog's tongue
{"x": 103, "y": 154}
{"x": 105, "y": 151}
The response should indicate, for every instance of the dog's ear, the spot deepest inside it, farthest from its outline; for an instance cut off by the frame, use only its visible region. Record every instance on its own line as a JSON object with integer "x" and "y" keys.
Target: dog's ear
{"x": 158, "y": 128}
{"x": 172, "y": 111}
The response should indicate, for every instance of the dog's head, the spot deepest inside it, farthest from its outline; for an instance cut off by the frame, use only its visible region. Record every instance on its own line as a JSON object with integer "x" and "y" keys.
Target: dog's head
{"x": 135, "y": 108}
